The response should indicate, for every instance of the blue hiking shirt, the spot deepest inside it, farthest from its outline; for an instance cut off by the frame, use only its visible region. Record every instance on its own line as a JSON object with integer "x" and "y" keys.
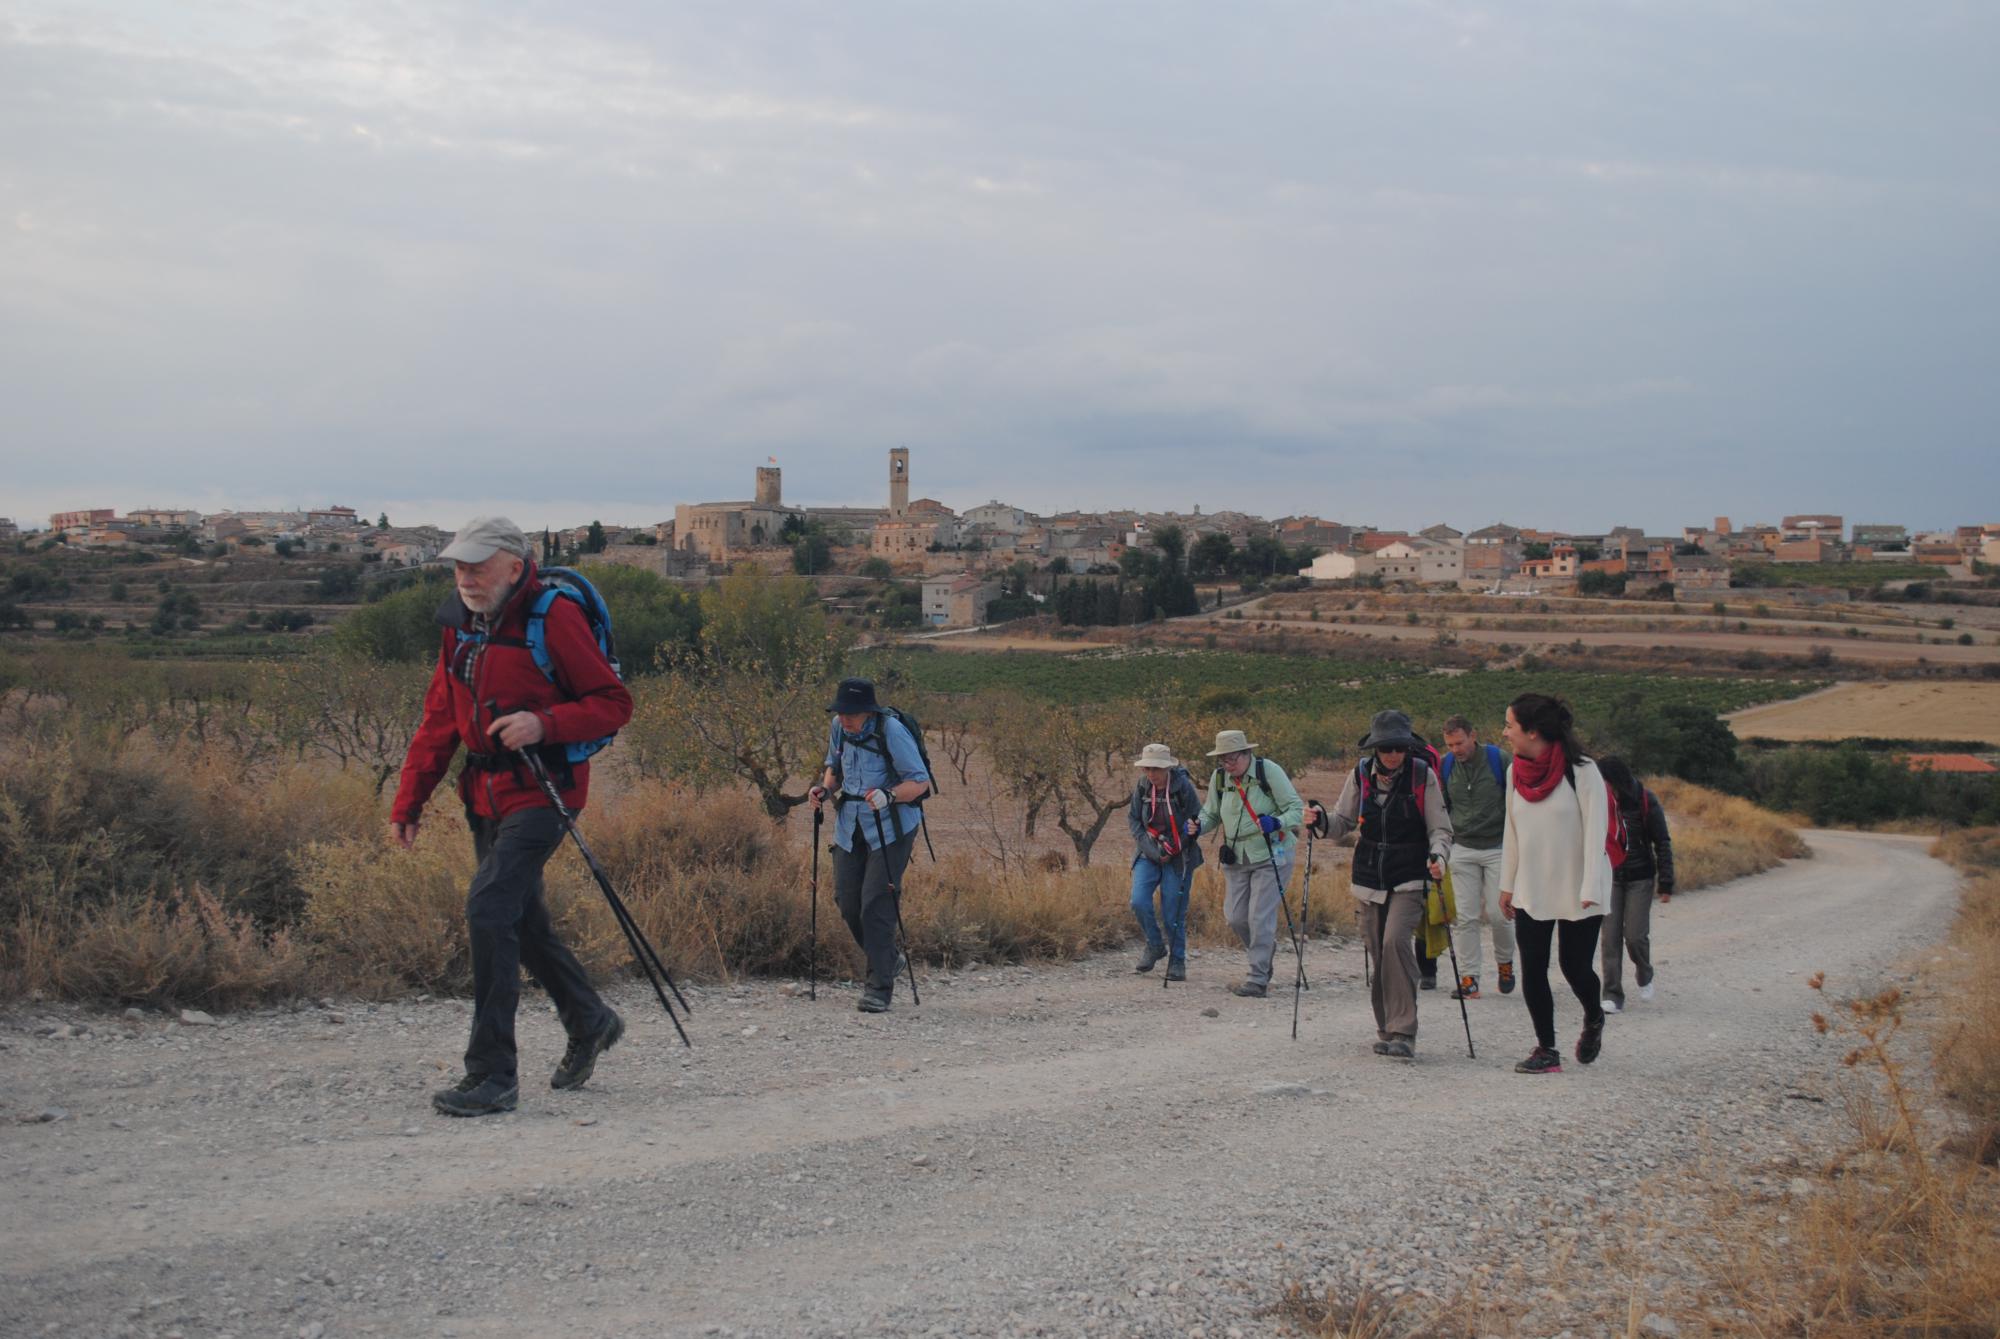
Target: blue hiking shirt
{"x": 860, "y": 768}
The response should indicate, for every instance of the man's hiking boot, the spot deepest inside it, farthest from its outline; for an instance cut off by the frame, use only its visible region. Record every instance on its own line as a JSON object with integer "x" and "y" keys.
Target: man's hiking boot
{"x": 1151, "y": 957}
{"x": 486, "y": 1096}
{"x": 1399, "y": 1049}
{"x": 1177, "y": 971}
{"x": 1541, "y": 1060}
{"x": 581, "y": 1056}
{"x": 1250, "y": 990}
{"x": 874, "y": 1001}
{"x": 1590, "y": 1041}
{"x": 1646, "y": 992}
{"x": 1468, "y": 988}
{"x": 1611, "y": 1006}
{"x": 1506, "y": 978}
{"x": 1428, "y": 982}
{"x": 1381, "y": 1048}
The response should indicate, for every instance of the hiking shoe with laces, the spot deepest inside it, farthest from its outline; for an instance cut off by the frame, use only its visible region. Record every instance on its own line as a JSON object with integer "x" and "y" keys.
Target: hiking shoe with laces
{"x": 1590, "y": 1041}
{"x": 1506, "y": 978}
{"x": 1381, "y": 1048}
{"x": 1646, "y": 992}
{"x": 581, "y": 1056}
{"x": 1399, "y": 1050}
{"x": 874, "y": 1001}
{"x": 1428, "y": 983}
{"x": 1249, "y": 990}
{"x": 1541, "y": 1060}
{"x": 487, "y": 1097}
{"x": 1611, "y": 1006}
{"x": 1176, "y": 971}
{"x": 1468, "y": 988}
{"x": 1151, "y": 958}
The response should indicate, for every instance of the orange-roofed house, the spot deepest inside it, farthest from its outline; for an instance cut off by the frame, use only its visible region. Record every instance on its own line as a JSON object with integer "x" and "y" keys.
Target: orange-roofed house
{"x": 1958, "y": 764}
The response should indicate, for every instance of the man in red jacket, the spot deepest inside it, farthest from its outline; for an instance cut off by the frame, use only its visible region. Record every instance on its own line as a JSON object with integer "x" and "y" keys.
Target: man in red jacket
{"x": 488, "y": 694}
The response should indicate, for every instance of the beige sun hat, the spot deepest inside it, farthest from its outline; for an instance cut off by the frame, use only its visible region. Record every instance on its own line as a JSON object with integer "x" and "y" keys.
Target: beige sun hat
{"x": 482, "y": 537}
{"x": 1231, "y": 741}
{"x": 1156, "y": 755}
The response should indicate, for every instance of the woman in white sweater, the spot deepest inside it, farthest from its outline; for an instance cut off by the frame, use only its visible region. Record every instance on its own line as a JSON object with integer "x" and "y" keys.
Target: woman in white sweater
{"x": 1555, "y": 872}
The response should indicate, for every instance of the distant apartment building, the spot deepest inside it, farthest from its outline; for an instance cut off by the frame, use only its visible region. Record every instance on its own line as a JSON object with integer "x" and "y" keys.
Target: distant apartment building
{"x": 921, "y": 526}
{"x": 1804, "y": 551}
{"x": 1876, "y": 536}
{"x": 63, "y": 522}
{"x": 1374, "y": 541}
{"x": 958, "y": 599}
{"x": 173, "y": 519}
{"x": 1826, "y": 527}
{"x": 1698, "y": 572}
{"x": 9, "y": 532}
{"x": 1339, "y": 567}
{"x": 1493, "y": 553}
{"x": 333, "y": 518}
{"x": 998, "y": 517}
{"x": 1429, "y": 562}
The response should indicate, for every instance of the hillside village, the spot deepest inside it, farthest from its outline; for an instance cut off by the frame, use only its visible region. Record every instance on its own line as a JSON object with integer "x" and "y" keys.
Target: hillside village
{"x": 962, "y": 558}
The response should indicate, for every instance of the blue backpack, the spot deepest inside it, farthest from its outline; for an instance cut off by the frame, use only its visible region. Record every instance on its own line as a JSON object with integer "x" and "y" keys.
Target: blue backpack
{"x": 565, "y": 583}
{"x": 1495, "y": 763}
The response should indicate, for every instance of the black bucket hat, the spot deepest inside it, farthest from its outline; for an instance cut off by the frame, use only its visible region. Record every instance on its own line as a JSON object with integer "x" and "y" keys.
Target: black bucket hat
{"x": 853, "y": 697}
{"x": 1391, "y": 730}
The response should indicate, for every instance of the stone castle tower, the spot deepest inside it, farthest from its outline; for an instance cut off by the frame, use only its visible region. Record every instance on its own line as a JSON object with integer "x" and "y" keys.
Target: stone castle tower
{"x": 770, "y": 489}
{"x": 899, "y": 482}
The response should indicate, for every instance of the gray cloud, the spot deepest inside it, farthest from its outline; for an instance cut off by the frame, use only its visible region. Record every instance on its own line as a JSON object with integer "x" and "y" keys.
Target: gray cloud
{"x": 1566, "y": 264}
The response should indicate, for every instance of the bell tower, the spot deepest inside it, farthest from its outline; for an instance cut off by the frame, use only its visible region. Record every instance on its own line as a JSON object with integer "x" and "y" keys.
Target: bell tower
{"x": 899, "y": 482}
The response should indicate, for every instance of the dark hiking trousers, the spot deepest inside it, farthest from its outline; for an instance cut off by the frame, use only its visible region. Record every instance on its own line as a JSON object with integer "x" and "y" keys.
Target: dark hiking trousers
{"x": 508, "y": 919}
{"x": 1578, "y": 953}
{"x": 861, "y": 880}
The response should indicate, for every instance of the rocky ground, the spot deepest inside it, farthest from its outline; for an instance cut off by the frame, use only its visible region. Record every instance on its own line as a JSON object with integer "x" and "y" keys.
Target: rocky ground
{"x": 1054, "y": 1150}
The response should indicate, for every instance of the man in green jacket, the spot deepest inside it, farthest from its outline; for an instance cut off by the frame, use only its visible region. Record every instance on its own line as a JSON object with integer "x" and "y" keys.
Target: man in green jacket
{"x": 1258, "y": 811}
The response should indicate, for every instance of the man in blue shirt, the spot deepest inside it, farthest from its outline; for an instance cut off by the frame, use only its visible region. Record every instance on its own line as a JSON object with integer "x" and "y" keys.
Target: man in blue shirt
{"x": 874, "y": 775}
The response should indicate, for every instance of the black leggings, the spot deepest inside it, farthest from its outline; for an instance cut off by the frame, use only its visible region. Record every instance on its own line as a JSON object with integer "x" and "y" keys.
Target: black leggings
{"x": 1578, "y": 950}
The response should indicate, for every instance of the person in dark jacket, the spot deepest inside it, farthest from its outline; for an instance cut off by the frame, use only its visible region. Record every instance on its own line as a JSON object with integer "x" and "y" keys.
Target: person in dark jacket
{"x": 1165, "y": 818}
{"x": 1392, "y": 798}
{"x": 488, "y": 696}
{"x": 1648, "y": 867}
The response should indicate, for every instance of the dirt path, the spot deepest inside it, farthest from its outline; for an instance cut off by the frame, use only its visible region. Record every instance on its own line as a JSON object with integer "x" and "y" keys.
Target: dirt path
{"x": 1054, "y": 1150}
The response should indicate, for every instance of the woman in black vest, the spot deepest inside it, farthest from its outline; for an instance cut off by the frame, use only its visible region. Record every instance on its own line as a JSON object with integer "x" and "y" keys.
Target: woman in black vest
{"x": 1393, "y": 798}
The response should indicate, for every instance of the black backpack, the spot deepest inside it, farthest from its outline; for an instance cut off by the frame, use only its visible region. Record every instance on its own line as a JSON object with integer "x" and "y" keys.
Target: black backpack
{"x": 878, "y": 744}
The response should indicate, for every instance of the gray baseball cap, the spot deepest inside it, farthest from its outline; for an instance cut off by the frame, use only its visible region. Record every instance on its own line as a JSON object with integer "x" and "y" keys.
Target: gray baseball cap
{"x": 482, "y": 537}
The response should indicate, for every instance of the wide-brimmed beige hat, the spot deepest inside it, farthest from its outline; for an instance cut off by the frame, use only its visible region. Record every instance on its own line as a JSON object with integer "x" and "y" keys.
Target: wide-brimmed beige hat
{"x": 1156, "y": 755}
{"x": 1231, "y": 741}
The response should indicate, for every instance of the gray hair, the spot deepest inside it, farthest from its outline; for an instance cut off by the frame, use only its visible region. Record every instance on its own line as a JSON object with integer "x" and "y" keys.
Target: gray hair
{"x": 1458, "y": 725}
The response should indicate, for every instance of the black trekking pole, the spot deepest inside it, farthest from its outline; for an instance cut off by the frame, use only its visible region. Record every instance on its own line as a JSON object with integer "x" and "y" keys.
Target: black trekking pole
{"x": 896, "y": 901}
{"x": 1291, "y": 927}
{"x": 642, "y": 949}
{"x": 812, "y": 939}
{"x": 1452, "y": 947}
{"x": 1305, "y": 913}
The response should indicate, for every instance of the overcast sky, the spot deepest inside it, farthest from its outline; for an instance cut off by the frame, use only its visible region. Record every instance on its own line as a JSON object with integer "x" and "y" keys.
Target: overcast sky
{"x": 1563, "y": 264}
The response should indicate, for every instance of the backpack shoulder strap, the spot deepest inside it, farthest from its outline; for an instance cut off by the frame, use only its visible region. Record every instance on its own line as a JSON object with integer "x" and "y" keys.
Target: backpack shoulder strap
{"x": 1420, "y": 782}
{"x": 538, "y": 630}
{"x": 1496, "y": 764}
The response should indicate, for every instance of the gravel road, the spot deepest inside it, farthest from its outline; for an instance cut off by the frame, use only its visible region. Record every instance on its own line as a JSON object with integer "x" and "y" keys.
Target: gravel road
{"x": 1055, "y": 1150}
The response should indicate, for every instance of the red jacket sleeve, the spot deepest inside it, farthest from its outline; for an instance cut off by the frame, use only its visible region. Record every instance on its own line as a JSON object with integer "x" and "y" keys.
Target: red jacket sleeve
{"x": 431, "y": 749}
{"x": 600, "y": 705}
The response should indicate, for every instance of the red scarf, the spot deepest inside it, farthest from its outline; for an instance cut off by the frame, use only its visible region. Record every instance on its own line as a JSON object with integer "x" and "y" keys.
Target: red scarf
{"x": 1535, "y": 779}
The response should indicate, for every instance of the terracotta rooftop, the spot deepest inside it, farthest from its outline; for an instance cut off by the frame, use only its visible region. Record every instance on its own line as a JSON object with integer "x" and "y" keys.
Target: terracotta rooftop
{"x": 1961, "y": 763}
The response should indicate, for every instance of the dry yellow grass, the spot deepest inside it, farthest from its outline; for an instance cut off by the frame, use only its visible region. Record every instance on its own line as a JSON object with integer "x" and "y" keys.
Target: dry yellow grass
{"x": 1718, "y": 837}
{"x": 1901, "y": 709}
